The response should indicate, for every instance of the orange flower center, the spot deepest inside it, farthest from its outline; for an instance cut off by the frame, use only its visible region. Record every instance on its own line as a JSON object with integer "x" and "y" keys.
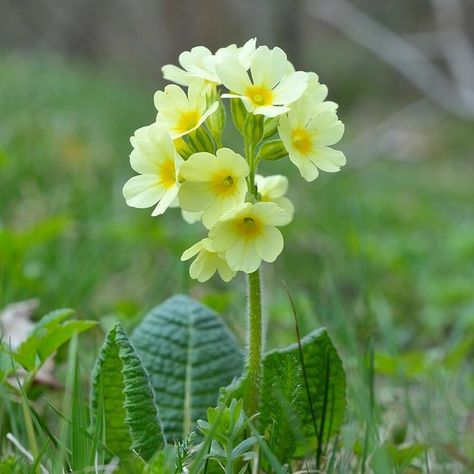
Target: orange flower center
{"x": 248, "y": 227}
{"x": 187, "y": 121}
{"x": 223, "y": 183}
{"x": 260, "y": 95}
{"x": 167, "y": 174}
{"x": 302, "y": 140}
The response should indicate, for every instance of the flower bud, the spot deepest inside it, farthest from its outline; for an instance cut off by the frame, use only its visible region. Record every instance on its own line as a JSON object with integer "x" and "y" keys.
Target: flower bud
{"x": 270, "y": 126}
{"x": 272, "y": 150}
{"x": 216, "y": 121}
{"x": 183, "y": 146}
{"x": 253, "y": 128}
{"x": 239, "y": 114}
{"x": 202, "y": 140}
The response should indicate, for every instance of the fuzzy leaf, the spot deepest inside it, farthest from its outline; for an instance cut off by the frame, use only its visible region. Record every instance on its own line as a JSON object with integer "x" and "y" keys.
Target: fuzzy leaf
{"x": 122, "y": 395}
{"x": 51, "y": 332}
{"x": 286, "y": 411}
{"x": 189, "y": 354}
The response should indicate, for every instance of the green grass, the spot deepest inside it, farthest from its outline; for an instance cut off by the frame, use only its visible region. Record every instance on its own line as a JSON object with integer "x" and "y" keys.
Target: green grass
{"x": 382, "y": 254}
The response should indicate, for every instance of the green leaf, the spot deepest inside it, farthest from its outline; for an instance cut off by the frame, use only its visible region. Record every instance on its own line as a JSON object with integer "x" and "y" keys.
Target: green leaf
{"x": 122, "y": 396}
{"x": 12, "y": 464}
{"x": 190, "y": 355}
{"x": 162, "y": 462}
{"x": 7, "y": 363}
{"x": 51, "y": 332}
{"x": 289, "y": 402}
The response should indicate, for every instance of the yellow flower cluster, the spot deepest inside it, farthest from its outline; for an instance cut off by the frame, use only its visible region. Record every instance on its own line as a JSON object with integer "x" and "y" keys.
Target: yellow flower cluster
{"x": 180, "y": 159}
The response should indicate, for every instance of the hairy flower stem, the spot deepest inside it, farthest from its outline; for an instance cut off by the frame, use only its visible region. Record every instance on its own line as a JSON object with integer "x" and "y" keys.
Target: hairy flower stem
{"x": 255, "y": 326}
{"x": 255, "y": 343}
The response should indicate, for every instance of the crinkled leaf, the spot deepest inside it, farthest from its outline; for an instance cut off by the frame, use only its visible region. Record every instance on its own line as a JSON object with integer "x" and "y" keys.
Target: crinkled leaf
{"x": 51, "y": 332}
{"x": 189, "y": 354}
{"x": 122, "y": 395}
{"x": 286, "y": 408}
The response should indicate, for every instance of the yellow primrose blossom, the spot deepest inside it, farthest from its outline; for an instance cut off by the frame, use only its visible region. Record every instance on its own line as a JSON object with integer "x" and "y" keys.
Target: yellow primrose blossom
{"x": 246, "y": 235}
{"x": 273, "y": 85}
{"x": 179, "y": 113}
{"x": 307, "y": 132}
{"x": 201, "y": 63}
{"x": 155, "y": 159}
{"x": 273, "y": 189}
{"x": 207, "y": 262}
{"x": 213, "y": 183}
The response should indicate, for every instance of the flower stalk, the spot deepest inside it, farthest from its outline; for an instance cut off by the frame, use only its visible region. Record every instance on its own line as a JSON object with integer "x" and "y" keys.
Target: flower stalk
{"x": 255, "y": 342}
{"x": 255, "y": 326}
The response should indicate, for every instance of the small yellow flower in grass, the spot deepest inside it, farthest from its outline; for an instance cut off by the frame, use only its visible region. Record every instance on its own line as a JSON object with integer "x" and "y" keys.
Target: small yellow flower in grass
{"x": 155, "y": 159}
{"x": 207, "y": 262}
{"x": 201, "y": 63}
{"x": 273, "y": 85}
{"x": 179, "y": 113}
{"x": 213, "y": 183}
{"x": 246, "y": 235}
{"x": 307, "y": 132}
{"x": 273, "y": 189}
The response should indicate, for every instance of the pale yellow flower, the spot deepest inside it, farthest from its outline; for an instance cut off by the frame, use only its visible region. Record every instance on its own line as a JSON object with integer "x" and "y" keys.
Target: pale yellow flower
{"x": 273, "y": 189}
{"x": 155, "y": 159}
{"x": 201, "y": 63}
{"x": 213, "y": 183}
{"x": 246, "y": 235}
{"x": 308, "y": 131}
{"x": 207, "y": 262}
{"x": 273, "y": 84}
{"x": 181, "y": 114}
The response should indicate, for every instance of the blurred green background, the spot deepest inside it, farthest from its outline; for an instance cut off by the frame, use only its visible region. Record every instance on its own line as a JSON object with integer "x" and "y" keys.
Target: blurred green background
{"x": 381, "y": 253}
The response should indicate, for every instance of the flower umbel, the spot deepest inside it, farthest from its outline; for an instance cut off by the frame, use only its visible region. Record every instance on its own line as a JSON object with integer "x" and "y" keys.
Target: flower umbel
{"x": 180, "y": 159}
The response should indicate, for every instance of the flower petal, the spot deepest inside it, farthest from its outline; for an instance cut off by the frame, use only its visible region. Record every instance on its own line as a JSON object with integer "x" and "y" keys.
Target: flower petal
{"x": 290, "y": 88}
{"x": 269, "y": 66}
{"x": 243, "y": 255}
{"x": 175, "y": 74}
{"x": 328, "y": 159}
{"x": 192, "y": 251}
{"x": 143, "y": 191}
{"x": 306, "y": 167}
{"x": 269, "y": 244}
{"x": 199, "y": 167}
{"x": 233, "y": 75}
{"x": 195, "y": 196}
{"x": 166, "y": 201}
